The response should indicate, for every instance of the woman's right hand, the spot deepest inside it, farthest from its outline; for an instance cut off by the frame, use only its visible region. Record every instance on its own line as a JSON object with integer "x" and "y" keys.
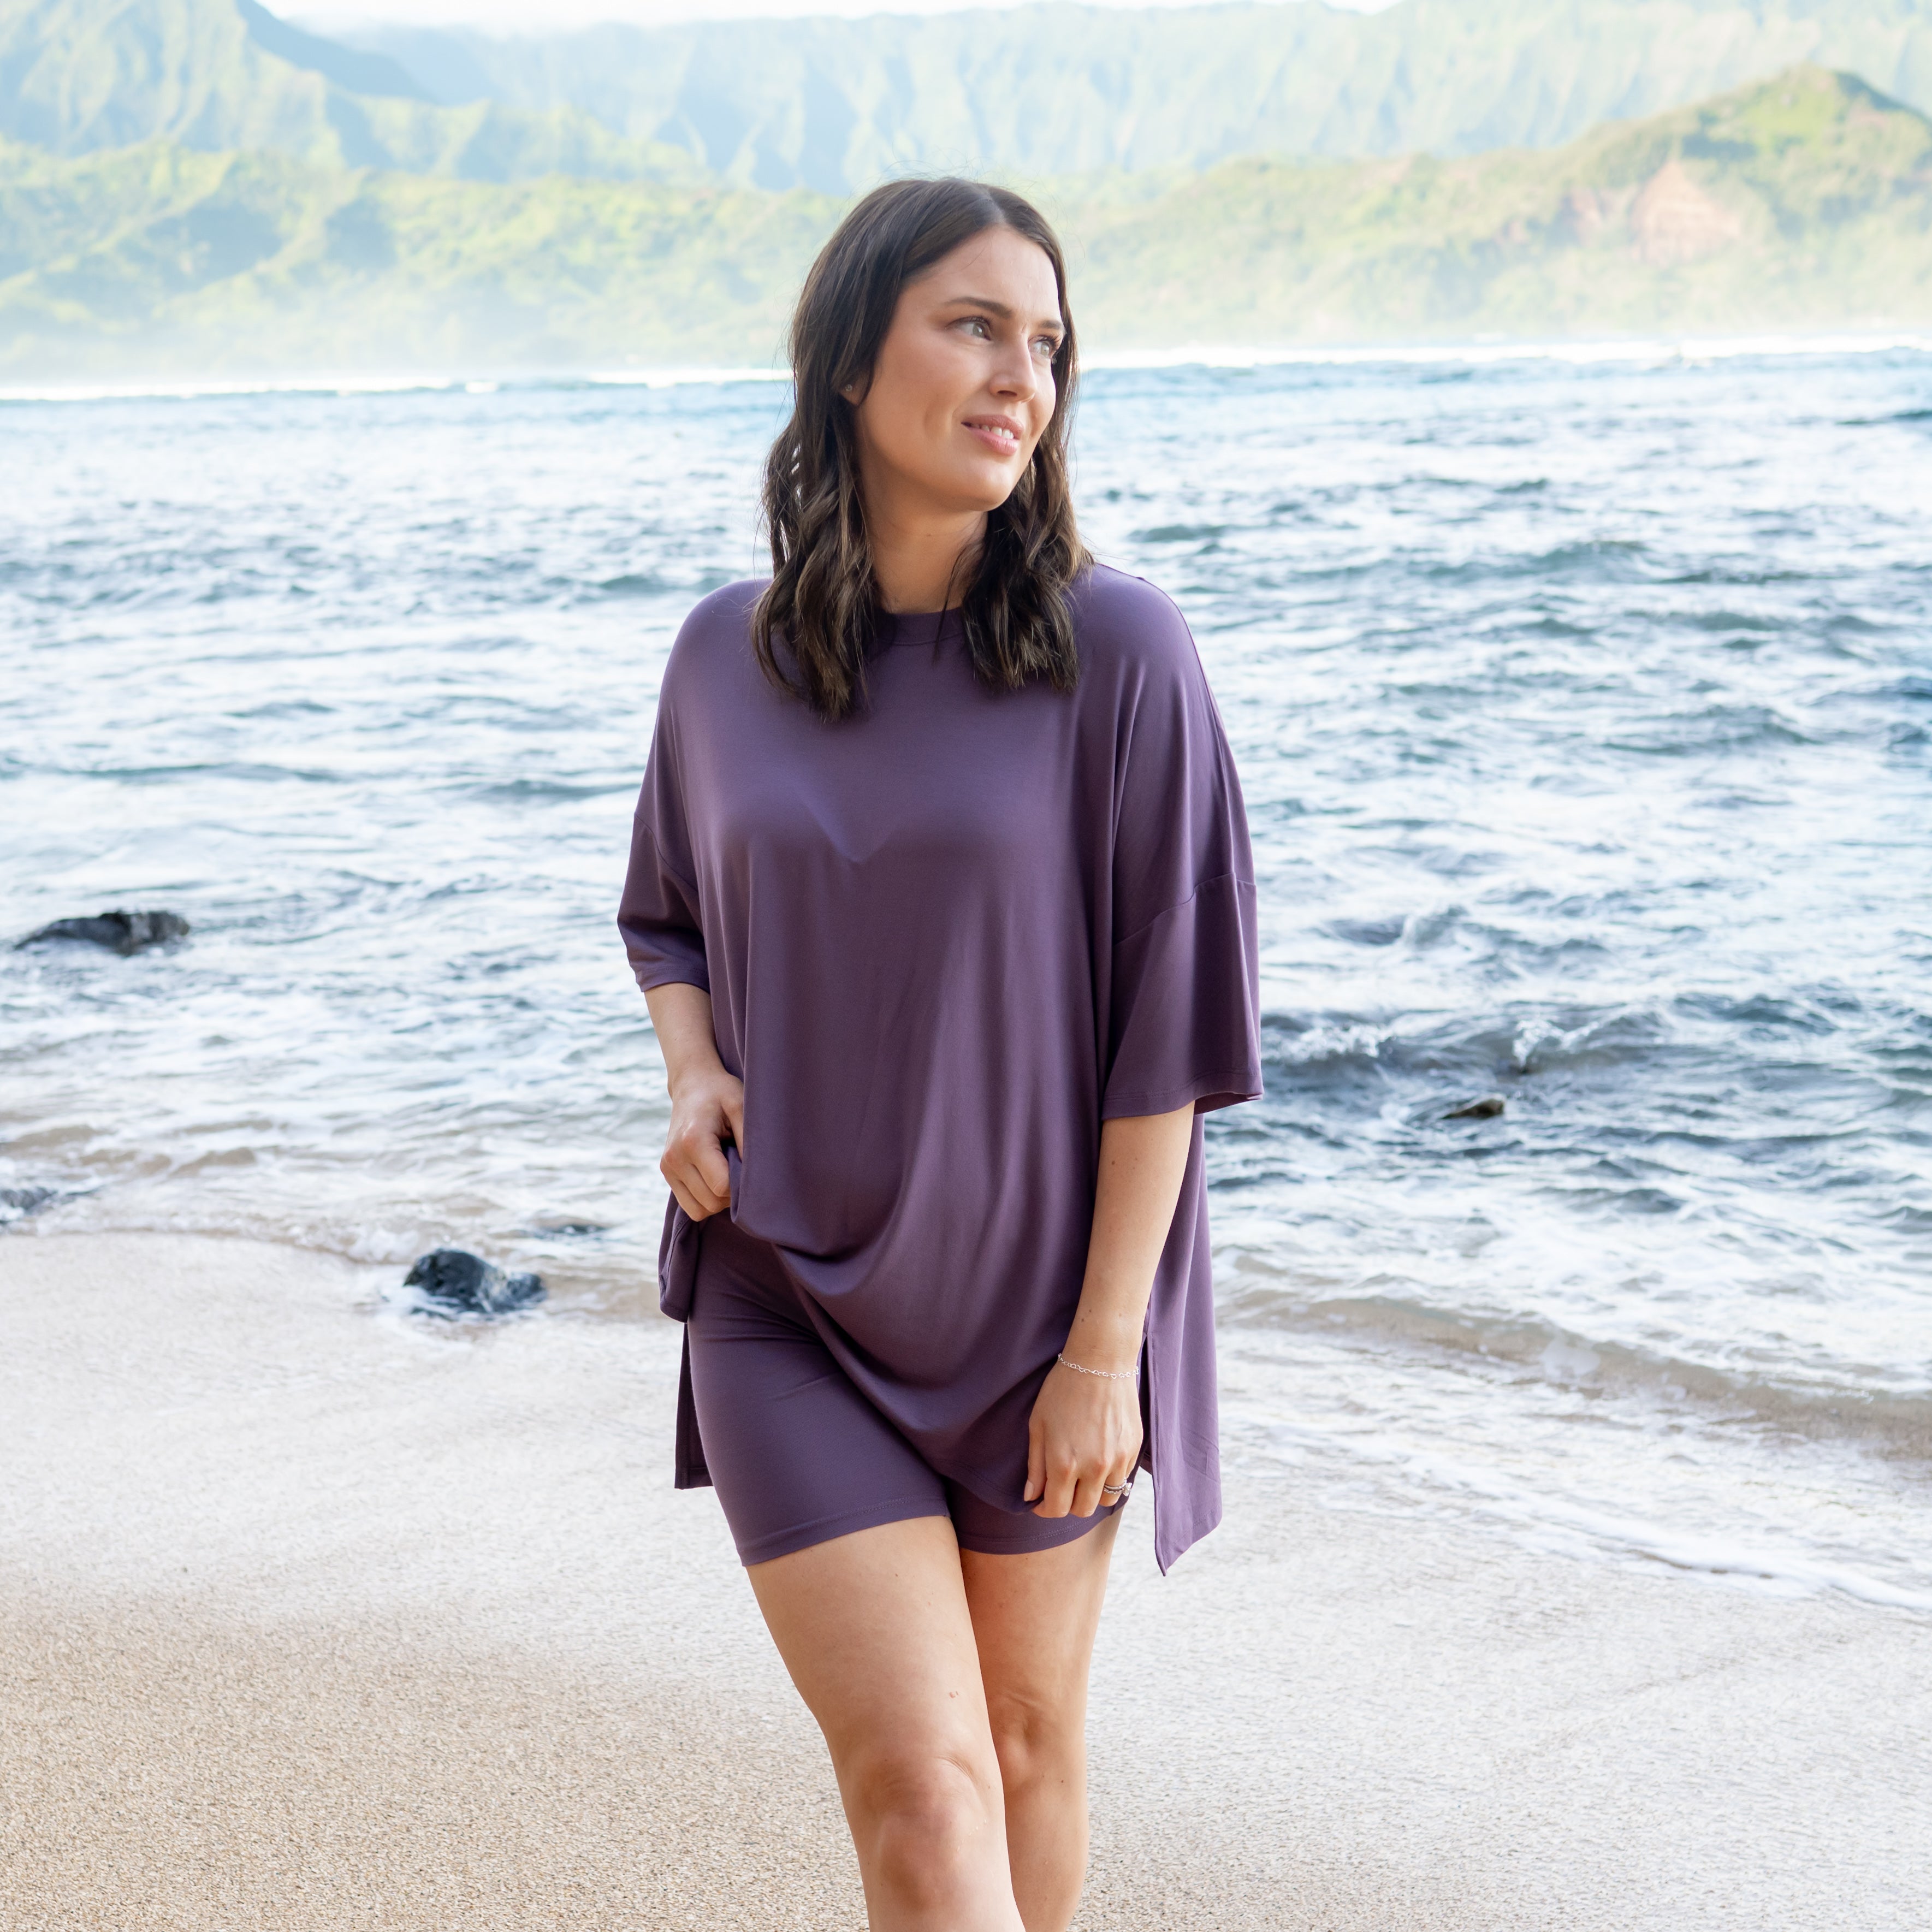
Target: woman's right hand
{"x": 707, "y": 1102}
{"x": 707, "y": 1110}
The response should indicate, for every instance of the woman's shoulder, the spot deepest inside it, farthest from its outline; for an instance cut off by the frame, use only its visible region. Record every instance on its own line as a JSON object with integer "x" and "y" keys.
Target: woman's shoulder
{"x": 724, "y": 614}
{"x": 1128, "y": 627}
{"x": 715, "y": 639}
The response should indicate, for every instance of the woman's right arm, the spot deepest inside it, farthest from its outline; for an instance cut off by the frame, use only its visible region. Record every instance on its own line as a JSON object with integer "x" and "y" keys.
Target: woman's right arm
{"x": 707, "y": 1104}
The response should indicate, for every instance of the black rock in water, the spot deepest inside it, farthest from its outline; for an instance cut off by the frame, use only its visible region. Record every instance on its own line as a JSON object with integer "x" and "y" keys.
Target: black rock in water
{"x": 453, "y": 1282}
{"x": 1487, "y": 1109}
{"x": 122, "y": 932}
{"x": 17, "y": 1203}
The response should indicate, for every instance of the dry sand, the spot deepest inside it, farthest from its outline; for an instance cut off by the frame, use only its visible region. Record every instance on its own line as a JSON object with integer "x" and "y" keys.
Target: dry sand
{"x": 312, "y": 1615}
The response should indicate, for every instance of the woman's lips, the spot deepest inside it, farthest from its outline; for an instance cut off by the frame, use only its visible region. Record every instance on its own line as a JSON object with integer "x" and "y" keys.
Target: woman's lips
{"x": 1002, "y": 438}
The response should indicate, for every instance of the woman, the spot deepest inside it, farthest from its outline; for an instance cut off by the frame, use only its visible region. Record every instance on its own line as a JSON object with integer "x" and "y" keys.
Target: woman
{"x": 939, "y": 891}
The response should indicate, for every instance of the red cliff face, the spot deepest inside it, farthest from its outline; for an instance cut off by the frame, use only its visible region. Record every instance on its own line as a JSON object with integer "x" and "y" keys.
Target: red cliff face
{"x": 1673, "y": 221}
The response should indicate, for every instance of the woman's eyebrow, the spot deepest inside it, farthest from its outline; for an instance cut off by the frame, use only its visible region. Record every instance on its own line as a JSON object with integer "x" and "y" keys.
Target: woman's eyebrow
{"x": 986, "y": 302}
{"x": 1004, "y": 310}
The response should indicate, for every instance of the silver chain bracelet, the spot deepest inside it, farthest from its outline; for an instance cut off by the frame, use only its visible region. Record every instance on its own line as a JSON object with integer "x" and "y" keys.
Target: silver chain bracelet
{"x": 1106, "y": 1375}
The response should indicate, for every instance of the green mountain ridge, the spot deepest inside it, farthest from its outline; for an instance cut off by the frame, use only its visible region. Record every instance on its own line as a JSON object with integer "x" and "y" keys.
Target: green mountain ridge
{"x": 1052, "y": 89}
{"x": 1805, "y": 202}
{"x": 835, "y": 104}
{"x": 1802, "y": 202}
{"x": 79, "y": 77}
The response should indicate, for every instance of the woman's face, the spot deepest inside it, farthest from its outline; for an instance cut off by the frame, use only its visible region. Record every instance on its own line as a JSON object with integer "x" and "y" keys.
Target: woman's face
{"x": 963, "y": 387}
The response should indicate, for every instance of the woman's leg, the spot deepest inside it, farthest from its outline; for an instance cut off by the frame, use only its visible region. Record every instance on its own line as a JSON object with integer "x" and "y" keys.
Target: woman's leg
{"x": 875, "y": 1629}
{"x": 1034, "y": 1617}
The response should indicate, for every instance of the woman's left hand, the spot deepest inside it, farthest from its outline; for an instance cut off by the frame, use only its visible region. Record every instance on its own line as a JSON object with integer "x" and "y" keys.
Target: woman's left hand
{"x": 1085, "y": 1434}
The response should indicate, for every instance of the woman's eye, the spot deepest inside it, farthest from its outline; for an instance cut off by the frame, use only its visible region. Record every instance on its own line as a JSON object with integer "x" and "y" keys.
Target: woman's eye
{"x": 1046, "y": 347}
{"x": 978, "y": 325}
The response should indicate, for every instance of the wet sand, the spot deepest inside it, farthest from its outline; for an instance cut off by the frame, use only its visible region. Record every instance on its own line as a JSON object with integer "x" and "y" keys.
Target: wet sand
{"x": 311, "y": 1615}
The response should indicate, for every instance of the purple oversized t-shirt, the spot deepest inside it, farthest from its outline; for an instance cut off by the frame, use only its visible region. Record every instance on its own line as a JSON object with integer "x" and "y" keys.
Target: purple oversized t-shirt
{"x": 945, "y": 939}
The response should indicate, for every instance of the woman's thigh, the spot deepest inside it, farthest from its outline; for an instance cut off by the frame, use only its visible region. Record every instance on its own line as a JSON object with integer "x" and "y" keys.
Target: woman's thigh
{"x": 797, "y": 1454}
{"x": 874, "y": 1630}
{"x": 1035, "y": 1617}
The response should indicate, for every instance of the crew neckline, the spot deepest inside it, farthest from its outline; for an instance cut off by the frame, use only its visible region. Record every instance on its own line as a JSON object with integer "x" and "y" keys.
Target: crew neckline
{"x": 920, "y": 627}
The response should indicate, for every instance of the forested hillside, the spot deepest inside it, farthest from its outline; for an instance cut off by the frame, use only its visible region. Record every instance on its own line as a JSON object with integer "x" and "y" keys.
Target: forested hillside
{"x": 834, "y": 104}
{"x": 1805, "y": 202}
{"x": 79, "y": 76}
{"x": 1059, "y": 89}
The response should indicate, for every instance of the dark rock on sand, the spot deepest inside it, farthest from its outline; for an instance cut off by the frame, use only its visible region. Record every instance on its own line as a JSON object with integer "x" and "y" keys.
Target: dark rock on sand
{"x": 452, "y": 1282}
{"x": 1487, "y": 1109}
{"x": 122, "y": 932}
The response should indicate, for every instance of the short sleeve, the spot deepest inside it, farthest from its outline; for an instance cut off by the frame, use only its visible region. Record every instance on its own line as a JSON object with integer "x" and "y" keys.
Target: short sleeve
{"x": 659, "y": 916}
{"x": 1183, "y": 1019}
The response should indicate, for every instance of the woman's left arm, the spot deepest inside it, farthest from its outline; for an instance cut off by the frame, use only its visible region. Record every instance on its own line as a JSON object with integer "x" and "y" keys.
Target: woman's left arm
{"x": 1085, "y": 1433}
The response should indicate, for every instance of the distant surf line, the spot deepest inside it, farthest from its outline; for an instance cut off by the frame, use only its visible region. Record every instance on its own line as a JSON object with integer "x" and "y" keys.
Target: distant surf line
{"x": 1646, "y": 349}
{"x": 1650, "y": 350}
{"x": 195, "y": 389}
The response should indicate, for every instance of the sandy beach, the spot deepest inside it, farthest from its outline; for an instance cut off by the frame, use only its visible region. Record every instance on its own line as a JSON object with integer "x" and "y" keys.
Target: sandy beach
{"x": 317, "y": 1615}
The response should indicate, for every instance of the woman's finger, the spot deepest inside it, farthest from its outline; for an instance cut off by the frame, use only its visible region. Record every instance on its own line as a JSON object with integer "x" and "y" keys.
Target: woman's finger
{"x": 1120, "y": 1473}
{"x": 697, "y": 1200}
{"x": 708, "y": 1158}
{"x": 1082, "y": 1486}
{"x": 1058, "y": 1499}
{"x": 687, "y": 1201}
{"x": 1087, "y": 1496}
{"x": 1035, "y": 1477}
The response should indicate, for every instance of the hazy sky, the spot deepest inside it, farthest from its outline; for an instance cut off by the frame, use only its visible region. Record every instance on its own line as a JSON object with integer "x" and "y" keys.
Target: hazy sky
{"x": 525, "y": 17}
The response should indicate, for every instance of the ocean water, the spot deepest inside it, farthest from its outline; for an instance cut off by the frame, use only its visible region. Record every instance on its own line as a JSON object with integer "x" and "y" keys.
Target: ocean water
{"x": 1584, "y": 704}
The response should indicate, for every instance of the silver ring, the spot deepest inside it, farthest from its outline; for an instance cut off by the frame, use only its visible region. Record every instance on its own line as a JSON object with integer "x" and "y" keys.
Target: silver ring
{"x": 1117, "y": 1489}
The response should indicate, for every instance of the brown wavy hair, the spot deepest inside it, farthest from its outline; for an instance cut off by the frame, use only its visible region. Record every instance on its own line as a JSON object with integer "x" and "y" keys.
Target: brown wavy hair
{"x": 815, "y": 625}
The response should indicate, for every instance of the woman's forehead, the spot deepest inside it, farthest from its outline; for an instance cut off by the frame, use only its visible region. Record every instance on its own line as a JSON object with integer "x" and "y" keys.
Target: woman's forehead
{"x": 1000, "y": 269}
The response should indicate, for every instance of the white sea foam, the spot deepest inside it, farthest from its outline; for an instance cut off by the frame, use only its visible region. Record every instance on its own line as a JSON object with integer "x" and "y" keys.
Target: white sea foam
{"x": 1579, "y": 1473}
{"x": 1643, "y": 351}
{"x": 681, "y": 378}
{"x": 1558, "y": 1525}
{"x": 196, "y": 388}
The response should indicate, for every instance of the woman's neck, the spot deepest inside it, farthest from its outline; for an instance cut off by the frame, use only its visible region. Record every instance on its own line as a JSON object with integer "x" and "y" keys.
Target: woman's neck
{"x": 921, "y": 564}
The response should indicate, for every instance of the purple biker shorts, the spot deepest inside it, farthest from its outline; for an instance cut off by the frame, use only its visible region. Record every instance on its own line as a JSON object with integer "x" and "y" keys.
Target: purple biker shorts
{"x": 797, "y": 1454}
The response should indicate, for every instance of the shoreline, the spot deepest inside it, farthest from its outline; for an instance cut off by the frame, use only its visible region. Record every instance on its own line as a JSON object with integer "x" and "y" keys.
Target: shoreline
{"x": 313, "y": 1615}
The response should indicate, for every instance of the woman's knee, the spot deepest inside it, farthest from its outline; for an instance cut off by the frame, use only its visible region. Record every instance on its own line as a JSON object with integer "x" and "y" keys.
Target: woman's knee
{"x": 1038, "y": 1738}
{"x": 926, "y": 1811}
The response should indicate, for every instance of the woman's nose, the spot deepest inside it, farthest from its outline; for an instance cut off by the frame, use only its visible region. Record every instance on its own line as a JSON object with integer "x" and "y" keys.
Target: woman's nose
{"x": 1015, "y": 373}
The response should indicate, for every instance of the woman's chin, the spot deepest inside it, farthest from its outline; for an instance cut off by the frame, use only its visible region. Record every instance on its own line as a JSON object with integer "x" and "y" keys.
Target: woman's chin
{"x": 959, "y": 488}
{"x": 984, "y": 490}
{"x": 975, "y": 479}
